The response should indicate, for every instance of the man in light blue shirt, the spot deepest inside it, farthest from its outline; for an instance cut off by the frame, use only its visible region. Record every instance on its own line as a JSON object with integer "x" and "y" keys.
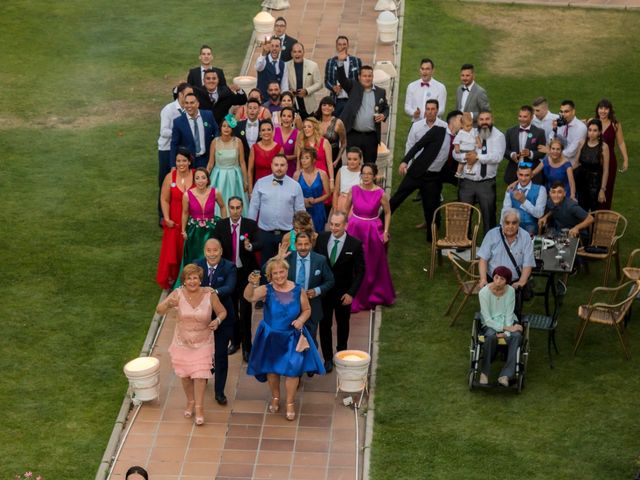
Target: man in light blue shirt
{"x": 274, "y": 200}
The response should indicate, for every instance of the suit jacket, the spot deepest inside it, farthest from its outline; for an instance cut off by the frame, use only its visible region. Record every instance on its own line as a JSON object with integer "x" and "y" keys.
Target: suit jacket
{"x": 226, "y": 99}
{"x": 285, "y": 51}
{"x": 430, "y": 144}
{"x": 331, "y": 72}
{"x": 477, "y": 100}
{"x": 240, "y": 132}
{"x": 247, "y": 227}
{"x": 311, "y": 81}
{"x": 224, "y": 280}
{"x": 356, "y": 92}
{"x": 535, "y": 137}
{"x": 320, "y": 276}
{"x": 194, "y": 77}
{"x": 181, "y": 134}
{"x": 348, "y": 271}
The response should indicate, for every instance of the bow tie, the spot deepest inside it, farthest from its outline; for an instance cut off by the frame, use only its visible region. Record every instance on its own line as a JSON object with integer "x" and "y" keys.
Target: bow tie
{"x": 424, "y": 84}
{"x": 275, "y": 180}
{"x": 465, "y": 89}
{"x": 524, "y": 130}
{"x": 252, "y": 124}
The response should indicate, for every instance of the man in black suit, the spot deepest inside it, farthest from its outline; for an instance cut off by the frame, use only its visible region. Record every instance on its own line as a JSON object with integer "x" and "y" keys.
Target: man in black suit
{"x": 346, "y": 260}
{"x": 220, "y": 274}
{"x": 364, "y": 111}
{"x": 248, "y": 131}
{"x": 239, "y": 238}
{"x": 279, "y": 31}
{"x": 195, "y": 77}
{"x": 218, "y": 98}
{"x": 311, "y": 271}
{"x": 522, "y": 143}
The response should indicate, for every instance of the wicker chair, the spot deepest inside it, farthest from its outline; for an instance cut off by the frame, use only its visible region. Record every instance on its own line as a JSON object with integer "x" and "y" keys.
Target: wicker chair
{"x": 631, "y": 272}
{"x": 458, "y": 218}
{"x": 606, "y": 231}
{"x": 468, "y": 280}
{"x": 612, "y": 313}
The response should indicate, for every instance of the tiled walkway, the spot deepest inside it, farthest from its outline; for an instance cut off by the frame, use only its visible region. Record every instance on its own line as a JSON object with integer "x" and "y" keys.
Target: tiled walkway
{"x": 242, "y": 440}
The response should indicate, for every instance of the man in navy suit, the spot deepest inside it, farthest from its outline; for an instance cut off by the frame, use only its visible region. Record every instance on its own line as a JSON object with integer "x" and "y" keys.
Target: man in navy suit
{"x": 194, "y": 130}
{"x": 220, "y": 274}
{"x": 311, "y": 271}
{"x": 217, "y": 98}
{"x": 195, "y": 77}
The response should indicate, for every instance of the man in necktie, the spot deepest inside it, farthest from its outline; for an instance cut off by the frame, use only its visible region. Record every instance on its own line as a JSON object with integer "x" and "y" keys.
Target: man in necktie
{"x": 424, "y": 89}
{"x": 522, "y": 142}
{"x": 571, "y": 131}
{"x": 194, "y": 130}
{"x": 270, "y": 67}
{"x": 220, "y": 275}
{"x": 346, "y": 260}
{"x": 280, "y": 31}
{"x": 527, "y": 197}
{"x": 471, "y": 97}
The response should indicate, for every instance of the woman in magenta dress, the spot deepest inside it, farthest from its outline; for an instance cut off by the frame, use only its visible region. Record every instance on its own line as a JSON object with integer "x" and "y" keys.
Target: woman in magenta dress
{"x": 262, "y": 153}
{"x": 366, "y": 226}
{"x": 611, "y": 134}
{"x": 191, "y": 349}
{"x": 175, "y": 184}
{"x": 285, "y": 136}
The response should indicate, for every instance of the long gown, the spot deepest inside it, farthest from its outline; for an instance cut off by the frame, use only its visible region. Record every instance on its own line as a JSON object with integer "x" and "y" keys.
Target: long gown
{"x": 274, "y": 344}
{"x": 334, "y": 139}
{"x": 289, "y": 147}
{"x": 589, "y": 178}
{"x": 191, "y": 349}
{"x": 172, "y": 241}
{"x": 366, "y": 226}
{"x": 609, "y": 137}
{"x": 227, "y": 174}
{"x": 317, "y": 210}
{"x": 262, "y": 161}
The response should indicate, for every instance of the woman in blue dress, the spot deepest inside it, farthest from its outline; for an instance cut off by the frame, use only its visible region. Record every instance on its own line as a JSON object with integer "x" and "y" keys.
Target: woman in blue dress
{"x": 315, "y": 187}
{"x": 274, "y": 353}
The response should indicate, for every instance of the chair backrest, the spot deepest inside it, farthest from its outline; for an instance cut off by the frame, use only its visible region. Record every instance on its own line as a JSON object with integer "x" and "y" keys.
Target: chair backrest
{"x": 618, "y": 309}
{"x": 608, "y": 226}
{"x": 465, "y": 270}
{"x": 458, "y": 216}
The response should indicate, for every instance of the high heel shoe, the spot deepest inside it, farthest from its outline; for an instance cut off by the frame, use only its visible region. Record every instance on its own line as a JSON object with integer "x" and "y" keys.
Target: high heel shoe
{"x": 291, "y": 412}
{"x": 199, "y": 416}
{"x": 188, "y": 412}
{"x": 274, "y": 406}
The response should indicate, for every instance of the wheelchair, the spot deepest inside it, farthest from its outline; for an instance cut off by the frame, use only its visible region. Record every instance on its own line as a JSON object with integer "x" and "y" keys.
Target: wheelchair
{"x": 476, "y": 352}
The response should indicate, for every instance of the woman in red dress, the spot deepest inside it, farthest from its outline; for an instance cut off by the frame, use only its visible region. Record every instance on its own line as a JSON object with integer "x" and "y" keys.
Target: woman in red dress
{"x": 262, "y": 152}
{"x": 175, "y": 184}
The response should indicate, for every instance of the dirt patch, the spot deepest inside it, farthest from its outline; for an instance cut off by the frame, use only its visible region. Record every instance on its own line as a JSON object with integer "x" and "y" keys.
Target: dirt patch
{"x": 546, "y": 40}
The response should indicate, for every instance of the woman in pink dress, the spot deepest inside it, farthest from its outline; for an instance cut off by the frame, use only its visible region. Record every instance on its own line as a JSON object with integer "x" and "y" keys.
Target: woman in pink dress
{"x": 191, "y": 349}
{"x": 285, "y": 136}
{"x": 611, "y": 134}
{"x": 365, "y": 224}
{"x": 262, "y": 153}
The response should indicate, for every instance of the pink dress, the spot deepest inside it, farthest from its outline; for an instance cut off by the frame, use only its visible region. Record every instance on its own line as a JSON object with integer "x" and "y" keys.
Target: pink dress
{"x": 289, "y": 147}
{"x": 191, "y": 349}
{"x": 609, "y": 137}
{"x": 366, "y": 226}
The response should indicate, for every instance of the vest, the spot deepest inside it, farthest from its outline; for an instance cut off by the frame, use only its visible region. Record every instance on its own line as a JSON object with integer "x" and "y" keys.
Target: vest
{"x": 268, "y": 75}
{"x": 532, "y": 196}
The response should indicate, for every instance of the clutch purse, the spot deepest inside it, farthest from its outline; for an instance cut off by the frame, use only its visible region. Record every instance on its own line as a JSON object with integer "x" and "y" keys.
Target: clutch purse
{"x": 303, "y": 343}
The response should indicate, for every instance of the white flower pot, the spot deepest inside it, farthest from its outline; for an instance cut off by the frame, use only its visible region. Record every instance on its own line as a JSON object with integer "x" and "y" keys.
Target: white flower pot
{"x": 143, "y": 374}
{"x": 352, "y": 367}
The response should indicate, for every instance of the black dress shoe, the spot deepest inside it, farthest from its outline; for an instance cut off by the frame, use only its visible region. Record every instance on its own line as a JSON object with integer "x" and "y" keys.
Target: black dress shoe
{"x": 309, "y": 374}
{"x": 328, "y": 366}
{"x": 245, "y": 356}
{"x": 221, "y": 399}
{"x": 233, "y": 349}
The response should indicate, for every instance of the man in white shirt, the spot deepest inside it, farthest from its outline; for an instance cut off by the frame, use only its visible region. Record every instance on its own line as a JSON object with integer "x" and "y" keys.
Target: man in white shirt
{"x": 271, "y": 67}
{"x": 248, "y": 131}
{"x": 542, "y": 117}
{"x": 418, "y": 129}
{"x": 527, "y": 197}
{"x": 571, "y": 131}
{"x": 426, "y": 88}
{"x": 479, "y": 182}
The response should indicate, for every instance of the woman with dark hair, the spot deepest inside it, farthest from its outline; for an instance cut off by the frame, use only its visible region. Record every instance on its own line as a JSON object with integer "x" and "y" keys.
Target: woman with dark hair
{"x": 288, "y": 99}
{"x": 315, "y": 188}
{"x": 286, "y": 135}
{"x": 174, "y": 186}
{"x": 261, "y": 154}
{"x": 332, "y": 129}
{"x": 612, "y": 134}
{"x": 593, "y": 169}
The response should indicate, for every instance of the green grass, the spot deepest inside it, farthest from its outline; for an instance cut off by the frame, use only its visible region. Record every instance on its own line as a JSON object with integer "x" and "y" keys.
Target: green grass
{"x": 575, "y": 421}
{"x": 84, "y": 83}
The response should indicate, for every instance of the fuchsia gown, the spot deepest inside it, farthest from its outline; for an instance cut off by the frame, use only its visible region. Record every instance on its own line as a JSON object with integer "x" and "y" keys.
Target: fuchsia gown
{"x": 366, "y": 226}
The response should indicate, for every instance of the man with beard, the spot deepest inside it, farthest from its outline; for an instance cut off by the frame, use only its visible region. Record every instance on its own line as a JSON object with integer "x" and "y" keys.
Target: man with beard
{"x": 423, "y": 89}
{"x": 471, "y": 97}
{"x": 351, "y": 66}
{"x": 522, "y": 143}
{"x": 273, "y": 103}
{"x": 478, "y": 185}
{"x": 304, "y": 80}
{"x": 217, "y": 98}
{"x": 271, "y": 67}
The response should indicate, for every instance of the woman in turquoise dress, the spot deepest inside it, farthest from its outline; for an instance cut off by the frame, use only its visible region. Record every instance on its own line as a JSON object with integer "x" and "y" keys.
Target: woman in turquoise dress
{"x": 315, "y": 188}
{"x": 227, "y": 166}
{"x": 275, "y": 351}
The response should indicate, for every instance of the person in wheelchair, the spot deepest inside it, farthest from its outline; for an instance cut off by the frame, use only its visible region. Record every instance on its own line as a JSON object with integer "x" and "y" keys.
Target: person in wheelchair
{"x": 497, "y": 309}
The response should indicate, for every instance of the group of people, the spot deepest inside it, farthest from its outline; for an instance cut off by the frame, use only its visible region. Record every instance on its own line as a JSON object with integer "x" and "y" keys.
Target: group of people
{"x": 258, "y": 211}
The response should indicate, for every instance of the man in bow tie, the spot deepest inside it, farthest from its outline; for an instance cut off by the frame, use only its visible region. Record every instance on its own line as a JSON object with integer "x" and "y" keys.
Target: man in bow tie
{"x": 528, "y": 198}
{"x": 248, "y": 131}
{"x": 471, "y": 97}
{"x": 195, "y": 77}
{"x": 522, "y": 143}
{"x": 423, "y": 89}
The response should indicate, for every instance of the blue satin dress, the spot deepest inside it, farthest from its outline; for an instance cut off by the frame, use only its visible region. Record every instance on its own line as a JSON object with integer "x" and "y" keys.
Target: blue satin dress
{"x": 274, "y": 344}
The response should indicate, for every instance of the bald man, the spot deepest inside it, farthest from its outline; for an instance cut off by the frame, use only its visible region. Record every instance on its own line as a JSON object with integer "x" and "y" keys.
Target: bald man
{"x": 220, "y": 274}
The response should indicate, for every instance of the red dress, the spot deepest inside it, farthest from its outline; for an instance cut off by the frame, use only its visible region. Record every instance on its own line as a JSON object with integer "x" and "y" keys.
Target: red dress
{"x": 609, "y": 137}
{"x": 262, "y": 161}
{"x": 172, "y": 241}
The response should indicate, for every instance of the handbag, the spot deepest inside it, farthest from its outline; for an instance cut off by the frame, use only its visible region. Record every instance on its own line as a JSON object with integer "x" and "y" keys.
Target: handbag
{"x": 527, "y": 292}
{"x": 303, "y": 343}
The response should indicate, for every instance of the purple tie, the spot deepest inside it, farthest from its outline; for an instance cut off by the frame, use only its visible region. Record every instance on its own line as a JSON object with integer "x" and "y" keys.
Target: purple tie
{"x": 234, "y": 241}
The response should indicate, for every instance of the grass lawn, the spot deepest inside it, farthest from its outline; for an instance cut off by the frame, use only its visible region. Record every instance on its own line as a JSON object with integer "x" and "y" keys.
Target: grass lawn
{"x": 83, "y": 85}
{"x": 580, "y": 419}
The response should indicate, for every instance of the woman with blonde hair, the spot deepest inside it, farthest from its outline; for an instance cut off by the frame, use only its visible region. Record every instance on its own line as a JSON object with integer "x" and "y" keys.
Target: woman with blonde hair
{"x": 311, "y": 137}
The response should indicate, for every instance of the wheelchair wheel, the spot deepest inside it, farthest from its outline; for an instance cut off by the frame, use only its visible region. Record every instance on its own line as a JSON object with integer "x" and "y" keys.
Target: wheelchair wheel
{"x": 472, "y": 376}
{"x": 520, "y": 382}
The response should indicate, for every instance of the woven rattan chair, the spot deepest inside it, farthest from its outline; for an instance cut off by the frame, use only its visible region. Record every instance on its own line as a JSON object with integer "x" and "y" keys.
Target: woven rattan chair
{"x": 606, "y": 231}
{"x": 468, "y": 278}
{"x": 612, "y": 313}
{"x": 459, "y": 222}
{"x": 631, "y": 271}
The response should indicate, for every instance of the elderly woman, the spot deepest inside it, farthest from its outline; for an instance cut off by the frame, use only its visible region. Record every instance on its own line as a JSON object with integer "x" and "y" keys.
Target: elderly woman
{"x": 191, "y": 349}
{"x": 282, "y": 346}
{"x": 497, "y": 308}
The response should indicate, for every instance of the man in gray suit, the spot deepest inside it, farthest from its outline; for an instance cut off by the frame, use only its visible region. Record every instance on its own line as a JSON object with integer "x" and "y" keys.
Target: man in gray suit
{"x": 471, "y": 97}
